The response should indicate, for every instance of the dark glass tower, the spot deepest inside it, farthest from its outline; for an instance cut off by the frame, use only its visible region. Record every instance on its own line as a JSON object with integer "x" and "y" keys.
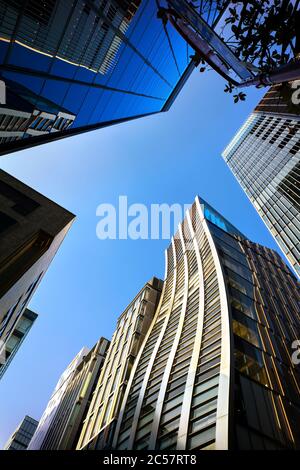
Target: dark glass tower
{"x": 20, "y": 439}
{"x": 69, "y": 66}
{"x": 264, "y": 156}
{"x": 215, "y": 370}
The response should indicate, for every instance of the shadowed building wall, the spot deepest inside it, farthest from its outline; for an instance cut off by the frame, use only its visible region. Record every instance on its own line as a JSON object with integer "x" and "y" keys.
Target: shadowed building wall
{"x": 31, "y": 230}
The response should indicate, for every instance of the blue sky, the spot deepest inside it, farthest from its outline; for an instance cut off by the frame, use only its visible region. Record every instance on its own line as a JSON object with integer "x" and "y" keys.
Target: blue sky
{"x": 166, "y": 158}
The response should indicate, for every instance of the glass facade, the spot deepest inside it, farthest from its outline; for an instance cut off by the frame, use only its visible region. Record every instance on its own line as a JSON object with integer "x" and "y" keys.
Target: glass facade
{"x": 264, "y": 300}
{"x": 15, "y": 335}
{"x": 23, "y": 434}
{"x": 132, "y": 326}
{"x": 264, "y": 156}
{"x": 220, "y": 342}
{"x": 73, "y": 65}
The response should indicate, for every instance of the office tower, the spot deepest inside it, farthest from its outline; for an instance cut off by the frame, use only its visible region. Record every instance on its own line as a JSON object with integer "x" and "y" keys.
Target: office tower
{"x": 31, "y": 229}
{"x": 132, "y": 326}
{"x": 18, "y": 334}
{"x": 215, "y": 370}
{"x": 20, "y": 439}
{"x": 60, "y": 425}
{"x": 264, "y": 156}
{"x": 77, "y": 65}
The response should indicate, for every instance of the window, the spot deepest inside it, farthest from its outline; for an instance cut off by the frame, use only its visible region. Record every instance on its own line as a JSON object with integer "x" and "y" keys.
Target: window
{"x": 208, "y": 374}
{"x": 249, "y": 361}
{"x": 202, "y": 410}
{"x": 205, "y": 396}
{"x": 23, "y": 204}
{"x": 243, "y": 303}
{"x": 173, "y": 414}
{"x": 7, "y": 316}
{"x": 15, "y": 266}
{"x": 6, "y": 221}
{"x": 203, "y": 422}
{"x": 203, "y": 386}
{"x": 239, "y": 283}
{"x": 245, "y": 328}
{"x": 207, "y": 365}
{"x": 168, "y": 442}
{"x": 144, "y": 430}
{"x": 177, "y": 391}
{"x": 171, "y": 426}
{"x": 174, "y": 402}
{"x": 202, "y": 438}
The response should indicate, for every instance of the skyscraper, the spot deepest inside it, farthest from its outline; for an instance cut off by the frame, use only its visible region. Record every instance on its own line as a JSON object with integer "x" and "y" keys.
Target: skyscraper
{"x": 60, "y": 425}
{"x": 20, "y": 439}
{"x": 69, "y": 66}
{"x": 264, "y": 156}
{"x": 31, "y": 229}
{"x": 132, "y": 326}
{"x": 215, "y": 370}
{"x": 18, "y": 334}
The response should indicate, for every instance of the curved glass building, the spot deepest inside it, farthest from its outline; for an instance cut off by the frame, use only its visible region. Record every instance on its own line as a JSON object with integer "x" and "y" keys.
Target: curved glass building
{"x": 215, "y": 370}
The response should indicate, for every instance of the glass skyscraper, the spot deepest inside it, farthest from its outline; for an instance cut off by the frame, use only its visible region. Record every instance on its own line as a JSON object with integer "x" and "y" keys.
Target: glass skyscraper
{"x": 215, "y": 370}
{"x": 20, "y": 439}
{"x": 69, "y": 66}
{"x": 264, "y": 156}
{"x": 18, "y": 334}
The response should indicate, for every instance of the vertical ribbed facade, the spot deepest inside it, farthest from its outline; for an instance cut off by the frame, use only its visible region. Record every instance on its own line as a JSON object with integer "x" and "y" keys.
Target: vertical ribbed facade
{"x": 132, "y": 326}
{"x": 264, "y": 156}
{"x": 183, "y": 390}
{"x": 173, "y": 399}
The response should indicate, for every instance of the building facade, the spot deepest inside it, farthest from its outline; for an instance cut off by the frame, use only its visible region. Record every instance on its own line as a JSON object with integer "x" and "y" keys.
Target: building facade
{"x": 31, "y": 230}
{"x": 19, "y": 333}
{"x": 69, "y": 66}
{"x": 215, "y": 370}
{"x": 264, "y": 156}
{"x": 61, "y": 423}
{"x": 20, "y": 439}
{"x": 132, "y": 326}
{"x": 23, "y": 117}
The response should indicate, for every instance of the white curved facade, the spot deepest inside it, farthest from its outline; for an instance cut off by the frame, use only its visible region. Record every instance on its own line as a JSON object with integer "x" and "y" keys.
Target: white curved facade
{"x": 178, "y": 393}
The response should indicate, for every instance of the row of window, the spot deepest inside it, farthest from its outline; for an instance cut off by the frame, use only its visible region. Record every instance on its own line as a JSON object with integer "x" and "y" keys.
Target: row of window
{"x": 202, "y": 422}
